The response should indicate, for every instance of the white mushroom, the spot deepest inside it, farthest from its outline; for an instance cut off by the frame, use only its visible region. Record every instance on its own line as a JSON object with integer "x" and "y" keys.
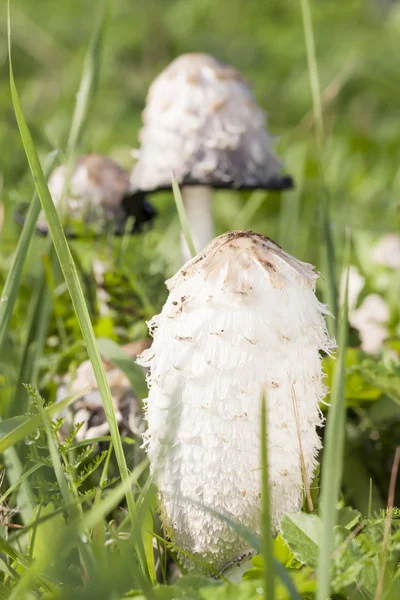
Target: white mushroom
{"x": 202, "y": 124}
{"x": 241, "y": 319}
{"x": 98, "y": 195}
{"x": 89, "y": 408}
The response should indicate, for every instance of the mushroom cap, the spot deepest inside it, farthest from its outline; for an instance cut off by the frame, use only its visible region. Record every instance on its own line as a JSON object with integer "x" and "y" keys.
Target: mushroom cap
{"x": 88, "y": 409}
{"x": 202, "y": 124}
{"x": 98, "y": 195}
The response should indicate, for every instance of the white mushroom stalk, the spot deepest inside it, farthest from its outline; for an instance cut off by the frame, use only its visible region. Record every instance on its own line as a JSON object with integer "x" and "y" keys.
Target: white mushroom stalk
{"x": 241, "y": 319}
{"x": 197, "y": 201}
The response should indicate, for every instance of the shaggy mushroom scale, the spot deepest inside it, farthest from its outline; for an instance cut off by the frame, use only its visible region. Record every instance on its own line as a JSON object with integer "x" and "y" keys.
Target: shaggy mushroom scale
{"x": 241, "y": 319}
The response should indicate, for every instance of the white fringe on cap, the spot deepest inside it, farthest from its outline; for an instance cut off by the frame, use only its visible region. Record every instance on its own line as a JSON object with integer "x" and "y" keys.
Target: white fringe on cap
{"x": 241, "y": 318}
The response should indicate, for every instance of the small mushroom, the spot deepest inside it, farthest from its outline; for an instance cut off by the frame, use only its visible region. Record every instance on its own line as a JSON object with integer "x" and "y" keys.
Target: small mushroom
{"x": 202, "y": 124}
{"x": 98, "y": 195}
{"x": 241, "y": 320}
{"x": 89, "y": 408}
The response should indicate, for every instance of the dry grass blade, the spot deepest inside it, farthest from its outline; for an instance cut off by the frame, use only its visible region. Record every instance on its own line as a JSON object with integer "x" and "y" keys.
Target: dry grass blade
{"x": 302, "y": 461}
{"x": 269, "y": 572}
{"x": 388, "y": 523}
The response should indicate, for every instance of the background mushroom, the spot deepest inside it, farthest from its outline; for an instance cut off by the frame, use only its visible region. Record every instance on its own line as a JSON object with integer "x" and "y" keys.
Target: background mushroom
{"x": 98, "y": 195}
{"x": 241, "y": 319}
{"x": 202, "y": 124}
{"x": 89, "y": 408}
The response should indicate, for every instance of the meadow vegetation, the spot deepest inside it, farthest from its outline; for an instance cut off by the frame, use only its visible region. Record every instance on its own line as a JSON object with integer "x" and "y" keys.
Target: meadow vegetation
{"x": 80, "y": 520}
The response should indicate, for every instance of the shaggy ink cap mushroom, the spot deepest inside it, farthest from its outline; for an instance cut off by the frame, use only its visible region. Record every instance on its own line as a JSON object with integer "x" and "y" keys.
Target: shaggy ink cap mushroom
{"x": 97, "y": 195}
{"x": 201, "y": 123}
{"x": 241, "y": 320}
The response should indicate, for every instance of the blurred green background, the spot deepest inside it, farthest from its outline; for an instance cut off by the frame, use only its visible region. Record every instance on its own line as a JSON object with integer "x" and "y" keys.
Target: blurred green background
{"x": 357, "y": 45}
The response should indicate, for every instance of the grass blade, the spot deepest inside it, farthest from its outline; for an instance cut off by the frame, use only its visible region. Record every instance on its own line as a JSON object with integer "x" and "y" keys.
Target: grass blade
{"x": 113, "y": 498}
{"x": 332, "y": 463}
{"x": 88, "y": 85}
{"x": 182, "y": 217}
{"x": 313, "y": 71}
{"x": 112, "y": 352}
{"x": 269, "y": 573}
{"x": 10, "y": 290}
{"x": 20, "y": 481}
{"x": 24, "y": 426}
{"x": 330, "y": 287}
{"x": 14, "y": 471}
{"x": 72, "y": 280}
{"x": 248, "y": 211}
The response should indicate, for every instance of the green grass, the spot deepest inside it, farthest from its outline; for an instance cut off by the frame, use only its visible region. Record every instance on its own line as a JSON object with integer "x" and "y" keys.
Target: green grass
{"x": 86, "y": 517}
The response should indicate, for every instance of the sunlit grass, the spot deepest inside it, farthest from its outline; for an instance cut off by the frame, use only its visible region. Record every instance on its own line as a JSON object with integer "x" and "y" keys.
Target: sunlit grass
{"x": 93, "y": 538}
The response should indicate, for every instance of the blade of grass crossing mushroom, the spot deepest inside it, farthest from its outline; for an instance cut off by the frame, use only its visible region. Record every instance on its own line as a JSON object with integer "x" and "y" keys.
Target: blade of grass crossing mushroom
{"x": 332, "y": 462}
{"x": 11, "y": 285}
{"x": 269, "y": 573}
{"x": 72, "y": 281}
{"x": 182, "y": 217}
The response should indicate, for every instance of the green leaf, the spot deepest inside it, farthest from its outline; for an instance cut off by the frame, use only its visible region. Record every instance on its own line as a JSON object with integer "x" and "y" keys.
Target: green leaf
{"x": 358, "y": 390}
{"x": 348, "y": 517}
{"x": 49, "y": 532}
{"x": 382, "y": 375}
{"x": 12, "y": 423}
{"x": 302, "y": 533}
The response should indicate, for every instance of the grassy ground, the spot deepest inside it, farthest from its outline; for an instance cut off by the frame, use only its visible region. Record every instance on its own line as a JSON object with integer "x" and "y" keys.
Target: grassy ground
{"x": 347, "y": 163}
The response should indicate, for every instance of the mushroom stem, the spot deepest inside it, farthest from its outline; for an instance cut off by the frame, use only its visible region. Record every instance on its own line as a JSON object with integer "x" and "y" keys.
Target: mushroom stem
{"x": 197, "y": 201}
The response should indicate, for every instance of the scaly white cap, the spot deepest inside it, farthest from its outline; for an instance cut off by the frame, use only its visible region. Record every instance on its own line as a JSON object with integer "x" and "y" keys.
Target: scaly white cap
{"x": 241, "y": 319}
